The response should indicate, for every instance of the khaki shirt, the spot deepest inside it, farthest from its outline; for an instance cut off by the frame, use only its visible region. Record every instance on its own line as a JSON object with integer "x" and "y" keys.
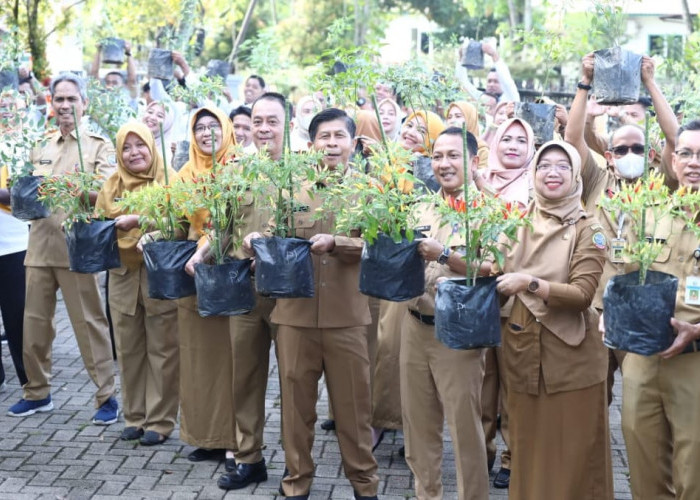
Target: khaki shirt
{"x": 47, "y": 243}
{"x": 338, "y": 302}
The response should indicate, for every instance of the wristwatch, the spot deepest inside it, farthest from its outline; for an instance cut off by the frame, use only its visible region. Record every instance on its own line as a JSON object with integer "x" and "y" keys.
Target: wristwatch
{"x": 442, "y": 258}
{"x": 583, "y": 86}
{"x": 533, "y": 286}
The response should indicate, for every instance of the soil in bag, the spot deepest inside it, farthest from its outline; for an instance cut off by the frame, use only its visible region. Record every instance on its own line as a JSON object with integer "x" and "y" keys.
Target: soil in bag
{"x": 23, "y": 198}
{"x": 283, "y": 267}
{"x": 540, "y": 117}
{"x": 160, "y": 64}
{"x": 473, "y": 56}
{"x": 423, "y": 171}
{"x": 468, "y": 317}
{"x": 92, "y": 246}
{"x": 637, "y": 317}
{"x": 618, "y": 74}
{"x": 113, "y": 51}
{"x": 224, "y": 289}
{"x": 392, "y": 271}
{"x": 165, "y": 264}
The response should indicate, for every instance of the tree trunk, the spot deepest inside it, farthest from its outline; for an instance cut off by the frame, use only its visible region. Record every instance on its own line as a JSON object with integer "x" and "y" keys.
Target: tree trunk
{"x": 687, "y": 17}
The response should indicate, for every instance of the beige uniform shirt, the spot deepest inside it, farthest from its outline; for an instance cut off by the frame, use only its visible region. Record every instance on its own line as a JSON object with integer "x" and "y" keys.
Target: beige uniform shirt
{"x": 47, "y": 243}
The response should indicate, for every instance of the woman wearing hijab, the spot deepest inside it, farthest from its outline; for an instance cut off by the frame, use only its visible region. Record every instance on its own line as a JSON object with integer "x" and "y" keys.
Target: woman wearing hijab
{"x": 145, "y": 329}
{"x": 368, "y": 133}
{"x": 206, "y": 417}
{"x": 305, "y": 110}
{"x": 462, "y": 112}
{"x": 158, "y": 112}
{"x": 391, "y": 114}
{"x": 503, "y": 111}
{"x": 555, "y": 361}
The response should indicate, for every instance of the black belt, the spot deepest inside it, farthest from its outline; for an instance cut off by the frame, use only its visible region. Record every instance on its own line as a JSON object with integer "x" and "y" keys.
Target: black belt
{"x": 423, "y": 318}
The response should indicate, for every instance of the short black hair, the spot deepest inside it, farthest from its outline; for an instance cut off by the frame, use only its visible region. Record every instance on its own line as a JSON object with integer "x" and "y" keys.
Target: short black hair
{"x": 329, "y": 115}
{"x": 240, "y": 110}
{"x": 258, "y": 78}
{"x": 118, "y": 73}
{"x": 491, "y": 94}
{"x": 472, "y": 144}
{"x": 644, "y": 101}
{"x": 272, "y": 96}
{"x": 146, "y": 87}
{"x": 692, "y": 126}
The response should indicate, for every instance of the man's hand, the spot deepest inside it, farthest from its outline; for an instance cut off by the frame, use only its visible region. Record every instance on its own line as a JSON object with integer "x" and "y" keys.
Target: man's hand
{"x": 648, "y": 69}
{"x": 179, "y": 60}
{"x": 594, "y": 109}
{"x": 561, "y": 115}
{"x": 430, "y": 249}
{"x": 322, "y": 243}
{"x": 248, "y": 246}
{"x": 512, "y": 283}
{"x": 490, "y": 50}
{"x": 197, "y": 258}
{"x": 126, "y": 222}
{"x": 587, "y": 68}
{"x": 687, "y": 332}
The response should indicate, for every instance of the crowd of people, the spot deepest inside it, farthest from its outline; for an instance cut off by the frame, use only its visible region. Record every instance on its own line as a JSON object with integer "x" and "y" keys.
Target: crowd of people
{"x": 547, "y": 388}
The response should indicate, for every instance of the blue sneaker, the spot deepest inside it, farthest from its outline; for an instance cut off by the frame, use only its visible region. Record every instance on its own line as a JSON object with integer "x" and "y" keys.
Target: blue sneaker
{"x": 27, "y": 407}
{"x": 107, "y": 413}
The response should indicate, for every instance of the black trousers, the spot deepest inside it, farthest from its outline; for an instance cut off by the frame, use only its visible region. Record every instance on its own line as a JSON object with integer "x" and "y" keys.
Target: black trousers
{"x": 12, "y": 291}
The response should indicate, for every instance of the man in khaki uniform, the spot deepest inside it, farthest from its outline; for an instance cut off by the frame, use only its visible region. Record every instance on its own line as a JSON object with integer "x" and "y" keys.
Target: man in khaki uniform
{"x": 438, "y": 382}
{"x": 47, "y": 268}
{"x": 326, "y": 334}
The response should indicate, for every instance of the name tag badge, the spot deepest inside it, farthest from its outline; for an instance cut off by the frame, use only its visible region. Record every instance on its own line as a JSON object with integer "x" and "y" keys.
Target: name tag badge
{"x": 692, "y": 290}
{"x": 44, "y": 162}
{"x": 617, "y": 248}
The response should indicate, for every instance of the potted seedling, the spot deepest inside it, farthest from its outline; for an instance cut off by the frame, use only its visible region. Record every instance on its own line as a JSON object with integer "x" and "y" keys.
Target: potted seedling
{"x": 467, "y": 310}
{"x": 113, "y": 50}
{"x": 21, "y": 134}
{"x": 108, "y": 109}
{"x": 217, "y": 67}
{"x": 91, "y": 239}
{"x": 472, "y": 55}
{"x": 160, "y": 64}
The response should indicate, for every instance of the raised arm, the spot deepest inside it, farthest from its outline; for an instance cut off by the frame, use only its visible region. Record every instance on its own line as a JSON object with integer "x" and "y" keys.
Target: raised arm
{"x": 574, "y": 133}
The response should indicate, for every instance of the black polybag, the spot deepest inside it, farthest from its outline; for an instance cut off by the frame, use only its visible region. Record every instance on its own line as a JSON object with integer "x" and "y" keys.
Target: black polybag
{"x": 23, "y": 198}
{"x": 113, "y": 51}
{"x": 217, "y": 67}
{"x": 473, "y": 56}
{"x": 392, "y": 271}
{"x": 540, "y": 117}
{"x": 618, "y": 75}
{"x": 638, "y": 317}
{"x": 165, "y": 266}
{"x": 160, "y": 64}
{"x": 9, "y": 79}
{"x": 423, "y": 171}
{"x": 92, "y": 246}
{"x": 283, "y": 267}
{"x": 224, "y": 289}
{"x": 181, "y": 155}
{"x": 468, "y": 317}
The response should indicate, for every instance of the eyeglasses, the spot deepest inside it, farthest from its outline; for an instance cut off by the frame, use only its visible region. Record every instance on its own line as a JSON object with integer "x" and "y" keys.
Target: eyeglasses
{"x": 637, "y": 149}
{"x": 685, "y": 155}
{"x": 546, "y": 167}
{"x": 200, "y": 129}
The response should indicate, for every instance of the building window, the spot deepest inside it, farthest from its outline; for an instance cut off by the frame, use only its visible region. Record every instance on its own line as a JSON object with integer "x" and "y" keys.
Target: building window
{"x": 666, "y": 46}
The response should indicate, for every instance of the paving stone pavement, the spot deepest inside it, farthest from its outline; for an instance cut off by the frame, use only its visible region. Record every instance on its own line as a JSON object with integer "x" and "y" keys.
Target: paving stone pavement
{"x": 61, "y": 455}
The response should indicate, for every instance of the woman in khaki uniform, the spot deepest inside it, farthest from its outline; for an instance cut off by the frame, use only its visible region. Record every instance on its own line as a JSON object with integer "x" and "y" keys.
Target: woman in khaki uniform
{"x": 556, "y": 363}
{"x": 206, "y": 392}
{"x": 145, "y": 329}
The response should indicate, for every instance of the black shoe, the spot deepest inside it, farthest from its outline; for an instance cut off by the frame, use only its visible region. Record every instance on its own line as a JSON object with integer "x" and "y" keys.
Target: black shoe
{"x": 131, "y": 433}
{"x": 379, "y": 440}
{"x": 152, "y": 438}
{"x": 230, "y": 464}
{"x": 244, "y": 475}
{"x": 293, "y": 497}
{"x": 502, "y": 479}
{"x": 360, "y": 497}
{"x": 328, "y": 425}
{"x": 202, "y": 454}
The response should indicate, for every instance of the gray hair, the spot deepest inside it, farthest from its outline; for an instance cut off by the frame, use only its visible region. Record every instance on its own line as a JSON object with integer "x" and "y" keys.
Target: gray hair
{"x": 68, "y": 76}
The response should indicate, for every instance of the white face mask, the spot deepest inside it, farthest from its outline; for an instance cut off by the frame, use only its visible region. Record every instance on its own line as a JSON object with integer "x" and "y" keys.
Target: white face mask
{"x": 630, "y": 166}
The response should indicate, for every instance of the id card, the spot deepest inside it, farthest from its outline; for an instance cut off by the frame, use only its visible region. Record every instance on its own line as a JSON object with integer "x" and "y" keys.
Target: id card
{"x": 692, "y": 290}
{"x": 617, "y": 248}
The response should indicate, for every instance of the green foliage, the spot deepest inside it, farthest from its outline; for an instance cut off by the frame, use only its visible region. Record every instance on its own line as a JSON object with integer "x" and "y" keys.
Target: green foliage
{"x": 70, "y": 193}
{"x": 609, "y": 20}
{"x": 265, "y": 52}
{"x": 205, "y": 88}
{"x": 11, "y": 49}
{"x": 20, "y": 135}
{"x": 109, "y": 109}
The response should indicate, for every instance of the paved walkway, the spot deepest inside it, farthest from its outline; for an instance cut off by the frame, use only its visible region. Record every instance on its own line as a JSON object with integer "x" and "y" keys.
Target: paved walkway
{"x": 61, "y": 455}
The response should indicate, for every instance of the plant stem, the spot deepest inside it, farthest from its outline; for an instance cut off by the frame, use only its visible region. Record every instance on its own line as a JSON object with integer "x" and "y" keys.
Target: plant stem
{"x": 86, "y": 194}
{"x": 379, "y": 120}
{"x": 465, "y": 169}
{"x": 287, "y": 152}
{"x": 171, "y": 224}
{"x": 642, "y": 227}
{"x": 216, "y": 216}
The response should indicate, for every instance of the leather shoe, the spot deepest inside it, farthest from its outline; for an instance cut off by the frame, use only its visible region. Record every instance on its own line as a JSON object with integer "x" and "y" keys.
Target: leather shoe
{"x": 244, "y": 475}
{"x": 328, "y": 425}
{"x": 152, "y": 438}
{"x": 131, "y": 433}
{"x": 202, "y": 454}
{"x": 360, "y": 497}
{"x": 230, "y": 464}
{"x": 502, "y": 479}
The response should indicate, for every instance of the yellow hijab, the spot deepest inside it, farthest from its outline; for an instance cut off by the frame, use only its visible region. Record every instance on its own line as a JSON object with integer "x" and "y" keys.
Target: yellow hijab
{"x": 434, "y": 125}
{"x": 471, "y": 120}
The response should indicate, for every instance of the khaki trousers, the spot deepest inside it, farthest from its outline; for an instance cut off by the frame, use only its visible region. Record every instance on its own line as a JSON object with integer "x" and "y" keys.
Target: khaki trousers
{"x": 615, "y": 359}
{"x": 251, "y": 337}
{"x": 206, "y": 389}
{"x": 661, "y": 425}
{"x": 493, "y": 402}
{"x": 341, "y": 354}
{"x": 437, "y": 383}
{"x": 386, "y": 390}
{"x": 84, "y": 304}
{"x": 148, "y": 354}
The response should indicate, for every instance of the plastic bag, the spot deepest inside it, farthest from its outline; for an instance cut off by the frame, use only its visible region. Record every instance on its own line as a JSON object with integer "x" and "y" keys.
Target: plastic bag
{"x": 181, "y": 155}
{"x": 468, "y": 317}
{"x": 165, "y": 264}
{"x": 392, "y": 271}
{"x": 540, "y": 117}
{"x": 638, "y": 317}
{"x": 473, "y": 56}
{"x": 160, "y": 64}
{"x": 9, "y": 79}
{"x": 217, "y": 67}
{"x": 618, "y": 76}
{"x": 423, "y": 171}
{"x": 283, "y": 267}
{"x": 113, "y": 51}
{"x": 225, "y": 289}
{"x": 23, "y": 198}
{"x": 92, "y": 246}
